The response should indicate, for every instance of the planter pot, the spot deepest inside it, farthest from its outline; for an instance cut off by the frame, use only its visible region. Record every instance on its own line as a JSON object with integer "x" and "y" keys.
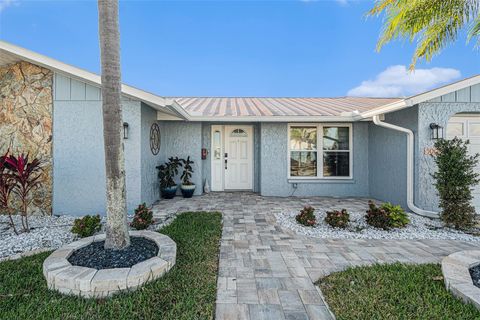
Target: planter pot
{"x": 187, "y": 190}
{"x": 169, "y": 193}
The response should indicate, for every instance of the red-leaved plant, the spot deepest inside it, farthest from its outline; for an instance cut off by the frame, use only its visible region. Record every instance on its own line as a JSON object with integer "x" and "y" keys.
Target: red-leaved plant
{"x": 7, "y": 184}
{"x": 27, "y": 178}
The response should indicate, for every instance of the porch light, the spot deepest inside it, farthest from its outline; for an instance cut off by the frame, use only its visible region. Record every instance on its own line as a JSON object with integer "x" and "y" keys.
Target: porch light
{"x": 125, "y": 130}
{"x": 436, "y": 131}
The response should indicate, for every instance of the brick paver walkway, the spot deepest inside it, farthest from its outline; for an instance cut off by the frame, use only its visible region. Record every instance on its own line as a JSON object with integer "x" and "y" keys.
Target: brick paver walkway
{"x": 266, "y": 272}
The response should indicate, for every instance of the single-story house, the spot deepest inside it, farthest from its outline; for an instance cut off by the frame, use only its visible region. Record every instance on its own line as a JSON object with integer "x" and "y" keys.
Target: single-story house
{"x": 341, "y": 147}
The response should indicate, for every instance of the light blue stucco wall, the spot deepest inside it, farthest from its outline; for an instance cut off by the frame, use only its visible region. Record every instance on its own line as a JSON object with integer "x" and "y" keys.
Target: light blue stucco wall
{"x": 437, "y": 112}
{"x": 182, "y": 139}
{"x": 273, "y": 166}
{"x": 78, "y": 153}
{"x": 388, "y": 157}
{"x": 150, "y": 188}
{"x": 78, "y": 149}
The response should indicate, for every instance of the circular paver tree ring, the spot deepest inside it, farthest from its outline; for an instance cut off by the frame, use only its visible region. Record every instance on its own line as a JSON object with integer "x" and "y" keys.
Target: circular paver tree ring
{"x": 455, "y": 269}
{"x": 66, "y": 278}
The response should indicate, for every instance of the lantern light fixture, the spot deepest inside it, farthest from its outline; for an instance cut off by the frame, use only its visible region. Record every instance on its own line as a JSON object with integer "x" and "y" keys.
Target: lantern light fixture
{"x": 125, "y": 130}
{"x": 436, "y": 131}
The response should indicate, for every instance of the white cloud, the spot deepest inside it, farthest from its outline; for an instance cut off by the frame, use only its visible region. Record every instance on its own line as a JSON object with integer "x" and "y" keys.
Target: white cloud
{"x": 6, "y": 3}
{"x": 398, "y": 81}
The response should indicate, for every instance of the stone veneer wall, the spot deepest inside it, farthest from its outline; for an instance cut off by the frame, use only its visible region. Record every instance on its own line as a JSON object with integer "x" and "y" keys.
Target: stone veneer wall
{"x": 26, "y": 121}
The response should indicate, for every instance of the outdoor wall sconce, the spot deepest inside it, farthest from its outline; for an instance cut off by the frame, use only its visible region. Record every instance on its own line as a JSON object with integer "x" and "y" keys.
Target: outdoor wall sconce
{"x": 125, "y": 130}
{"x": 436, "y": 131}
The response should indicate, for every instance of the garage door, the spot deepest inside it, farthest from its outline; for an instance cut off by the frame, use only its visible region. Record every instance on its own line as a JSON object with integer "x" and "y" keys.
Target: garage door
{"x": 467, "y": 127}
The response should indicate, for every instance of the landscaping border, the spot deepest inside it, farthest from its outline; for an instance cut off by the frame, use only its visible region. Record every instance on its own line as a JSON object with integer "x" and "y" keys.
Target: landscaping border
{"x": 62, "y": 276}
{"x": 455, "y": 269}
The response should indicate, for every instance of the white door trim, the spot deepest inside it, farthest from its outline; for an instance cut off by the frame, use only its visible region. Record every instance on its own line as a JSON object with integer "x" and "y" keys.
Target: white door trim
{"x": 218, "y": 163}
{"x": 217, "y": 167}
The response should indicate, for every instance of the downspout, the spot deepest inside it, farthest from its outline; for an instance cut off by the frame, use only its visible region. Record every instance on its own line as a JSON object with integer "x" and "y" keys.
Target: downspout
{"x": 410, "y": 160}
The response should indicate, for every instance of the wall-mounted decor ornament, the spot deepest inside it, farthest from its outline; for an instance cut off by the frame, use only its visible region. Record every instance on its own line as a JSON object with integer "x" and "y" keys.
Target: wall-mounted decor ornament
{"x": 155, "y": 138}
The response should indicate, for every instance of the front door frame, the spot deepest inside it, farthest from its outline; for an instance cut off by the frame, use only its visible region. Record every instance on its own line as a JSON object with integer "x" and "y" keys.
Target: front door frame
{"x": 217, "y": 162}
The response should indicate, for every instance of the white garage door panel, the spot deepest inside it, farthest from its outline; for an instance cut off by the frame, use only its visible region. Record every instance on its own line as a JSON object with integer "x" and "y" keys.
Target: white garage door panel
{"x": 468, "y": 127}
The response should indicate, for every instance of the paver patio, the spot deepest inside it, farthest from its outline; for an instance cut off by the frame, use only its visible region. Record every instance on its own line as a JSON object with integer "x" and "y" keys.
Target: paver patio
{"x": 266, "y": 272}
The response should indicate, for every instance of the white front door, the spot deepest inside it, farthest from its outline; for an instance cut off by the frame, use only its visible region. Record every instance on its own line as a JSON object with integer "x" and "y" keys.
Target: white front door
{"x": 238, "y": 158}
{"x": 468, "y": 127}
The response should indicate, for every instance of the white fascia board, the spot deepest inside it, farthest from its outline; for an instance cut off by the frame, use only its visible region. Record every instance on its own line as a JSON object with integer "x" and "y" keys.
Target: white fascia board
{"x": 395, "y": 106}
{"x": 435, "y": 93}
{"x": 168, "y": 117}
{"x": 153, "y": 100}
{"x": 422, "y": 97}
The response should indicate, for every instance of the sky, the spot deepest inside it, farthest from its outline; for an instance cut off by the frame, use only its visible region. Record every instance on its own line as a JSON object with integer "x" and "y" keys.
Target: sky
{"x": 238, "y": 48}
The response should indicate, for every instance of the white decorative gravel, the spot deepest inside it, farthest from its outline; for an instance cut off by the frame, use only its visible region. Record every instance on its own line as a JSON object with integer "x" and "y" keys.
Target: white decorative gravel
{"x": 418, "y": 228}
{"x": 48, "y": 232}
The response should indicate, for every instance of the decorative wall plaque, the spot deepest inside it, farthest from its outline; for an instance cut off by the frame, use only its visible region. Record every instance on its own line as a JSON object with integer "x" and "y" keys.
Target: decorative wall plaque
{"x": 155, "y": 139}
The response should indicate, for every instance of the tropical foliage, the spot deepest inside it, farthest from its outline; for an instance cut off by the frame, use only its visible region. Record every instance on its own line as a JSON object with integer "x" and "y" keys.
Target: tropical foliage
{"x": 337, "y": 218}
{"x": 307, "y": 216}
{"x": 168, "y": 171}
{"x": 187, "y": 171}
{"x": 7, "y": 184}
{"x": 387, "y": 216}
{"x": 454, "y": 179}
{"x": 87, "y": 226}
{"x": 433, "y": 23}
{"x": 143, "y": 217}
{"x": 18, "y": 176}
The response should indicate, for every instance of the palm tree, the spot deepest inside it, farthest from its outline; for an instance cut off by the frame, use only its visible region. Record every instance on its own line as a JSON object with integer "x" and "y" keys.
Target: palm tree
{"x": 117, "y": 236}
{"x": 435, "y": 23}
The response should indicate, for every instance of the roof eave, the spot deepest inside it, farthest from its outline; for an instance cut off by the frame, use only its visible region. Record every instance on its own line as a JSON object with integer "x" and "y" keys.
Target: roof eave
{"x": 153, "y": 100}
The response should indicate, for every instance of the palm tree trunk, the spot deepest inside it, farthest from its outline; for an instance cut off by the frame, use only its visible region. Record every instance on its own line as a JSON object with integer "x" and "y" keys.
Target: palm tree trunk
{"x": 116, "y": 229}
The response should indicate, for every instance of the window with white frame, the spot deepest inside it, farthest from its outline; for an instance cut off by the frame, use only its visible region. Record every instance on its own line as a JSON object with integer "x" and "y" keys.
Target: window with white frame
{"x": 320, "y": 151}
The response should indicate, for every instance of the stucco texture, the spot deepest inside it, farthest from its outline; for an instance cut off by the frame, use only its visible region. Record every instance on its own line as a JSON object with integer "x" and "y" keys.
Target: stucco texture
{"x": 388, "y": 157}
{"x": 79, "y": 167}
{"x": 437, "y": 112}
{"x": 26, "y": 123}
{"x": 183, "y": 139}
{"x": 150, "y": 186}
{"x": 273, "y": 166}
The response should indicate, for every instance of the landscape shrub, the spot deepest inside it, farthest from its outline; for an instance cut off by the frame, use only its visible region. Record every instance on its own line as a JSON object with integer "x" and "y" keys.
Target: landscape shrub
{"x": 338, "y": 218}
{"x": 387, "y": 216}
{"x": 87, "y": 226}
{"x": 143, "y": 217}
{"x": 26, "y": 175}
{"x": 454, "y": 180}
{"x": 307, "y": 216}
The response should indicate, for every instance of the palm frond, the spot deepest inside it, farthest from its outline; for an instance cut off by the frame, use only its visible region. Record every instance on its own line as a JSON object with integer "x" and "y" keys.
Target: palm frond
{"x": 435, "y": 23}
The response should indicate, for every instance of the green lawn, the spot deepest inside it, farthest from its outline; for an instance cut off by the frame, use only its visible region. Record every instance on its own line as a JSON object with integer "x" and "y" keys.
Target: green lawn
{"x": 395, "y": 291}
{"x": 186, "y": 292}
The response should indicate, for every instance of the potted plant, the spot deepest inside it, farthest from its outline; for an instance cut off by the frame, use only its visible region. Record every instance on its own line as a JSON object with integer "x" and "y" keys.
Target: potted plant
{"x": 187, "y": 187}
{"x": 166, "y": 174}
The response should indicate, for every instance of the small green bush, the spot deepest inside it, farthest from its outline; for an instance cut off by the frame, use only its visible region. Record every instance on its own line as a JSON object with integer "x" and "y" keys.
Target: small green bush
{"x": 307, "y": 216}
{"x": 398, "y": 217}
{"x": 338, "y": 218}
{"x": 87, "y": 226}
{"x": 454, "y": 179}
{"x": 387, "y": 216}
{"x": 143, "y": 217}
